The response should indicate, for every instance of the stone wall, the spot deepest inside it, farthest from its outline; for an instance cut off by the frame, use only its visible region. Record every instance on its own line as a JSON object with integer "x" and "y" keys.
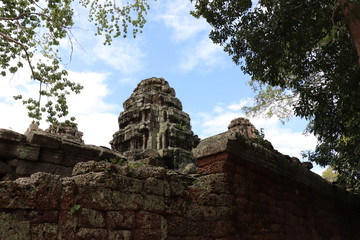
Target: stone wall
{"x": 109, "y": 201}
{"x": 38, "y": 151}
{"x": 275, "y": 196}
{"x": 244, "y": 189}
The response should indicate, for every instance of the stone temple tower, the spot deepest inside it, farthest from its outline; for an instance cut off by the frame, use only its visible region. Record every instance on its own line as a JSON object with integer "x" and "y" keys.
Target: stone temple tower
{"x": 153, "y": 123}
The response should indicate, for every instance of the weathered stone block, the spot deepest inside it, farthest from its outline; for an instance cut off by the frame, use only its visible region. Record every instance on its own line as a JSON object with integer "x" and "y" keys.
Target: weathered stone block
{"x": 67, "y": 131}
{"x": 26, "y": 168}
{"x": 44, "y": 139}
{"x": 92, "y": 233}
{"x": 5, "y": 168}
{"x": 120, "y": 219}
{"x": 12, "y": 228}
{"x": 94, "y": 197}
{"x": 148, "y": 234}
{"x": 48, "y": 190}
{"x": 144, "y": 172}
{"x": 92, "y": 166}
{"x": 10, "y": 150}
{"x": 49, "y": 216}
{"x": 127, "y": 201}
{"x": 75, "y": 153}
{"x": 43, "y": 231}
{"x": 120, "y": 235}
{"x": 52, "y": 156}
{"x": 208, "y": 213}
{"x": 179, "y": 226}
{"x": 215, "y": 183}
{"x": 126, "y": 184}
{"x": 91, "y": 218}
{"x": 68, "y": 198}
{"x": 107, "y": 154}
{"x": 7, "y": 135}
{"x": 146, "y": 219}
{"x": 28, "y": 152}
{"x": 153, "y": 203}
{"x": 16, "y": 195}
{"x": 154, "y": 186}
{"x": 67, "y": 225}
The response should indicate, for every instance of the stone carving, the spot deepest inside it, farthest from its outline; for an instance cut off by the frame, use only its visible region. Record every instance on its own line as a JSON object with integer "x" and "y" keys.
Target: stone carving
{"x": 153, "y": 121}
{"x": 244, "y": 127}
{"x": 66, "y": 130}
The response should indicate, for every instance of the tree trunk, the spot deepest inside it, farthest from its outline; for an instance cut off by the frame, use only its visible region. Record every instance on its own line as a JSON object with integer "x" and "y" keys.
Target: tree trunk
{"x": 351, "y": 13}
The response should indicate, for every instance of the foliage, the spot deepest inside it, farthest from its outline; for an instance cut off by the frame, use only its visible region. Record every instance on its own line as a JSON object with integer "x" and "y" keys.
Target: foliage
{"x": 76, "y": 208}
{"x": 120, "y": 161}
{"x": 329, "y": 174}
{"x": 30, "y": 35}
{"x": 66, "y": 123}
{"x": 301, "y": 55}
{"x": 136, "y": 164}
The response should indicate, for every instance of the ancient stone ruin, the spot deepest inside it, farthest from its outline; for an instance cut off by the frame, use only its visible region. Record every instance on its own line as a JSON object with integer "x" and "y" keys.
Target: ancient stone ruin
{"x": 153, "y": 124}
{"x": 55, "y": 187}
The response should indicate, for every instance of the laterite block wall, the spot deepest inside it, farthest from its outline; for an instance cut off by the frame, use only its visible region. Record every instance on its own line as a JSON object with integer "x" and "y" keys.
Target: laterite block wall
{"x": 244, "y": 190}
{"x": 274, "y": 197}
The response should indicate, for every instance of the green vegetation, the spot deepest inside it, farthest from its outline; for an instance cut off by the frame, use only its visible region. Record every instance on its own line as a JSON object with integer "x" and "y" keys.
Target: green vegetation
{"x": 76, "y": 208}
{"x": 182, "y": 125}
{"x": 330, "y": 175}
{"x": 136, "y": 164}
{"x": 123, "y": 161}
{"x": 303, "y": 57}
{"x": 120, "y": 161}
{"x": 30, "y": 35}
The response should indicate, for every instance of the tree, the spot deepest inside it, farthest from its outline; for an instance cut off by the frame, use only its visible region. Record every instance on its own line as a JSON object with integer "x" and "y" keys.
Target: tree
{"x": 30, "y": 33}
{"x": 304, "y": 54}
{"x": 329, "y": 174}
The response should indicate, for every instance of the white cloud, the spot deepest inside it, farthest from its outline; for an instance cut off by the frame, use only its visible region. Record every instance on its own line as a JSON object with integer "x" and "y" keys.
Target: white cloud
{"x": 198, "y": 51}
{"x": 128, "y": 80}
{"x": 284, "y": 139}
{"x": 98, "y": 127}
{"x": 125, "y": 56}
{"x": 13, "y": 113}
{"x": 176, "y": 15}
{"x": 91, "y": 98}
{"x": 94, "y": 115}
{"x": 238, "y": 105}
{"x": 13, "y": 116}
{"x": 204, "y": 54}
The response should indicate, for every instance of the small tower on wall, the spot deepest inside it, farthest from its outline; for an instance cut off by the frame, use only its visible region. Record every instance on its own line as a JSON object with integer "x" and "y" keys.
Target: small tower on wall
{"x": 153, "y": 123}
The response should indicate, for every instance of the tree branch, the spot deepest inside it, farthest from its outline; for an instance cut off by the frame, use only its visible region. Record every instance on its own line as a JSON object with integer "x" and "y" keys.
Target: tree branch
{"x": 25, "y": 50}
{"x": 32, "y": 13}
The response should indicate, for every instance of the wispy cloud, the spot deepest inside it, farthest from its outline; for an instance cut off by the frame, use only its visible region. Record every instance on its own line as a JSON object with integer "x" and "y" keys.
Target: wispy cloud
{"x": 284, "y": 139}
{"x": 177, "y": 16}
{"x": 203, "y": 55}
{"x": 92, "y": 97}
{"x": 94, "y": 115}
{"x": 125, "y": 56}
{"x": 198, "y": 51}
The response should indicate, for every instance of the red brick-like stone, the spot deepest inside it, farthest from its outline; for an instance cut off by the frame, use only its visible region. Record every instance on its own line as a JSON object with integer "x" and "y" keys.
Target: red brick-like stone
{"x": 146, "y": 219}
{"x": 148, "y": 234}
{"x": 120, "y": 219}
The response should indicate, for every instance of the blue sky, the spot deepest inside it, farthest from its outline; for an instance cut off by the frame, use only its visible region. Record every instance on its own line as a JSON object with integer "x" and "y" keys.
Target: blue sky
{"x": 173, "y": 45}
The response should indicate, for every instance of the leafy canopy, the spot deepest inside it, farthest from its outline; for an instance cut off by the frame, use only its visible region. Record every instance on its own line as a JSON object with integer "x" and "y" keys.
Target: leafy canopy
{"x": 303, "y": 60}
{"x": 30, "y": 35}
